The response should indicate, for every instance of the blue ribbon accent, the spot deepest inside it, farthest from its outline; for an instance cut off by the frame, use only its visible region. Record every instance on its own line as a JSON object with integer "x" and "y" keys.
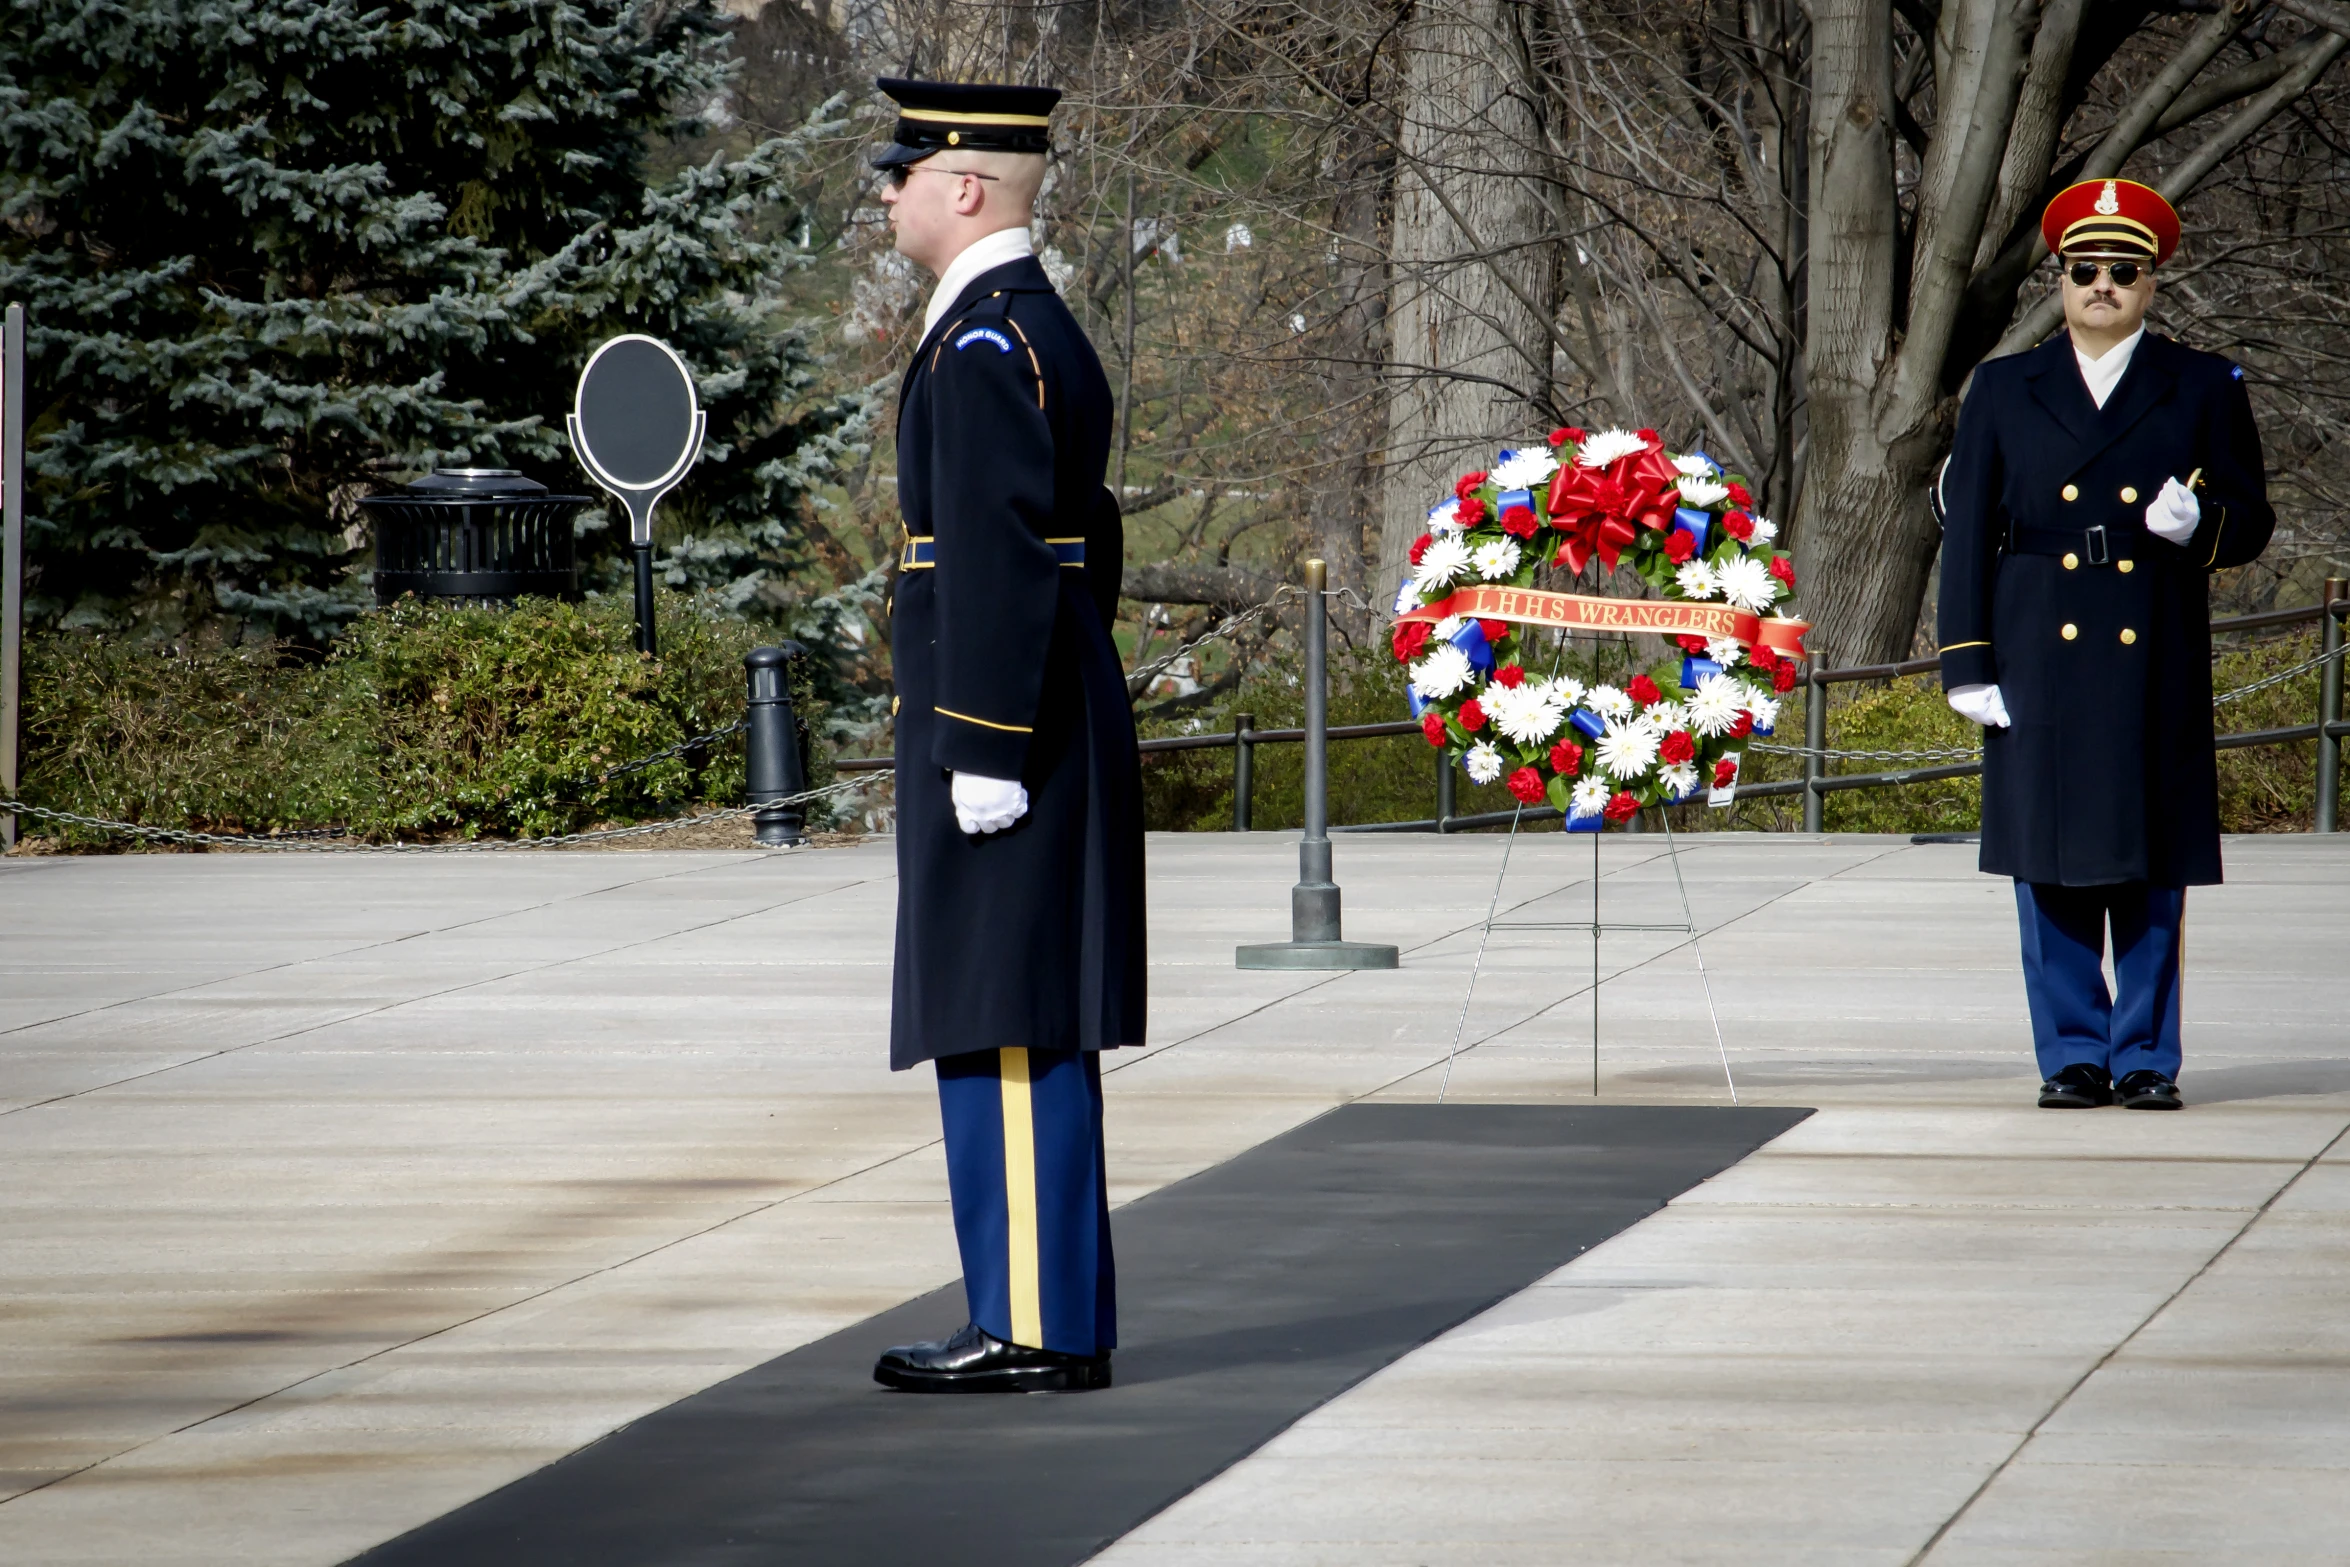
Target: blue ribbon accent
{"x": 1594, "y": 822}
{"x": 1760, "y": 730}
{"x": 1694, "y": 523}
{"x": 1411, "y": 694}
{"x": 1694, "y": 669}
{"x": 1708, "y": 461}
{"x": 1590, "y": 723}
{"x": 1508, "y": 498}
{"x": 1470, "y": 639}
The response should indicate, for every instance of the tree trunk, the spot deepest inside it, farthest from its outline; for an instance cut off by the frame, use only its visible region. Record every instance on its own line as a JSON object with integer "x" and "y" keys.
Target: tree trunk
{"x": 1344, "y": 497}
{"x": 1468, "y": 354}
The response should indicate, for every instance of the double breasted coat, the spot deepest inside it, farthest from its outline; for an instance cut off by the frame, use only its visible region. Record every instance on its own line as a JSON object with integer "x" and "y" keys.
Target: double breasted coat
{"x": 2097, "y": 632}
{"x": 1000, "y": 637}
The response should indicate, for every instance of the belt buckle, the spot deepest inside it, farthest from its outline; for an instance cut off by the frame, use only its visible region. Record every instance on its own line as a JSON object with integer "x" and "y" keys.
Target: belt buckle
{"x": 2096, "y": 553}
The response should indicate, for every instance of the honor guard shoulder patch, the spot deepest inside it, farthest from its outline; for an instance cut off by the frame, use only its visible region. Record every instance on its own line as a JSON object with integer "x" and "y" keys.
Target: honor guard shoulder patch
{"x": 985, "y": 334}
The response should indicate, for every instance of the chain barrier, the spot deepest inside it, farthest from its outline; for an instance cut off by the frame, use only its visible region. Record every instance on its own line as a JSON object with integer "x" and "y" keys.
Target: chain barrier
{"x": 1229, "y": 626}
{"x": 666, "y": 752}
{"x": 2281, "y": 676}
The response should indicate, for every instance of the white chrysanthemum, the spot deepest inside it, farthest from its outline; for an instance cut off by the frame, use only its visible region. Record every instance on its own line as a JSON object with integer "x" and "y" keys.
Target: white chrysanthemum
{"x": 1566, "y": 691}
{"x": 1714, "y": 710}
{"x": 1608, "y": 702}
{"x": 1444, "y": 671}
{"x": 1494, "y": 559}
{"x": 1445, "y": 518}
{"x": 1765, "y": 530}
{"x": 1747, "y": 583}
{"x": 1589, "y": 799}
{"x": 1608, "y": 445}
{"x": 1695, "y": 465}
{"x": 1407, "y": 596}
{"x": 1627, "y": 750}
{"x": 1443, "y": 563}
{"x": 1765, "y": 710}
{"x": 1696, "y": 580}
{"x": 1524, "y": 468}
{"x": 1668, "y": 716}
{"x": 1483, "y": 763}
{"x": 1524, "y": 714}
{"x": 1725, "y": 651}
{"x": 1680, "y": 780}
{"x": 1442, "y": 631}
{"x": 1702, "y": 492}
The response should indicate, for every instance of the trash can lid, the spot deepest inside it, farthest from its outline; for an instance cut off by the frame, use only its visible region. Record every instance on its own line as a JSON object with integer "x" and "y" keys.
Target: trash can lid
{"x": 478, "y": 481}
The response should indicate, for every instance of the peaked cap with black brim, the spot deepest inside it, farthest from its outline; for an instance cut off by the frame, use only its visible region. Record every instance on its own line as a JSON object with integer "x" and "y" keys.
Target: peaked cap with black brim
{"x": 980, "y": 116}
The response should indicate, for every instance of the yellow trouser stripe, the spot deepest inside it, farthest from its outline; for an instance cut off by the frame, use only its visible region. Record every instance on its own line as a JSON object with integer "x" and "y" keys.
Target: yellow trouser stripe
{"x": 1027, "y": 1288}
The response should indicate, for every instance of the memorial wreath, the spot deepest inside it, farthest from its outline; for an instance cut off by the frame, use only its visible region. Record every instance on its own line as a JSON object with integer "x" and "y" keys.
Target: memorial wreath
{"x": 1589, "y": 502}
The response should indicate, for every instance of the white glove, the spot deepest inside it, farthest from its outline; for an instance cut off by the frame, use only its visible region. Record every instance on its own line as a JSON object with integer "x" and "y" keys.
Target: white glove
{"x": 987, "y": 804}
{"x": 2172, "y": 515}
{"x": 1980, "y": 704}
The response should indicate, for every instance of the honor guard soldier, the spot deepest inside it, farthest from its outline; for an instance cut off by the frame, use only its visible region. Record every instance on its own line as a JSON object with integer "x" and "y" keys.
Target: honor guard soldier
{"x": 2095, "y": 484}
{"x": 1019, "y": 793}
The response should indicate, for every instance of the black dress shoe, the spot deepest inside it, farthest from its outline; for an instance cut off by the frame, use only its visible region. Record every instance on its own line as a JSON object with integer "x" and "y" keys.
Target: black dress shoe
{"x": 2078, "y": 1087}
{"x": 975, "y": 1361}
{"x": 2147, "y": 1089}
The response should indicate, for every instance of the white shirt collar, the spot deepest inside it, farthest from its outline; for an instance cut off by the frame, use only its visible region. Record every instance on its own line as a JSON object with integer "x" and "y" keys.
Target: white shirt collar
{"x": 2103, "y": 374}
{"x": 983, "y": 254}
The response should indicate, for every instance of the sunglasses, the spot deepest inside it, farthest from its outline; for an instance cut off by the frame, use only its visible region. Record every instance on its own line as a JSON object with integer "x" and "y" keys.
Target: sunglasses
{"x": 895, "y": 175}
{"x": 2125, "y": 274}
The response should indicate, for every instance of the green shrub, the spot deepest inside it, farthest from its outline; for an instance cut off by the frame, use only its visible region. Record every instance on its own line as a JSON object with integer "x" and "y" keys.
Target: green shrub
{"x": 422, "y": 721}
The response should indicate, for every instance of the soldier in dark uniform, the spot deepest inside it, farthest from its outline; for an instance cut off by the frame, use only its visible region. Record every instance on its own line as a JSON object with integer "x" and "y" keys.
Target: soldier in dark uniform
{"x": 2095, "y": 484}
{"x": 1020, "y": 900}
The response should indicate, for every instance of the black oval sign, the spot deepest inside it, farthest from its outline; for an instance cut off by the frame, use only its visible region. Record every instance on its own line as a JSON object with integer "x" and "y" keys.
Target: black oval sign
{"x": 635, "y": 425}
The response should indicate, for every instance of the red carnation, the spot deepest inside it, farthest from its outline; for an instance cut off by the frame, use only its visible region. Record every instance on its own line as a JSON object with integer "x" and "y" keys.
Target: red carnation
{"x": 1465, "y": 483}
{"x": 1420, "y": 546}
{"x": 1566, "y": 758}
{"x": 1520, "y": 520}
{"x": 1623, "y": 807}
{"x": 1678, "y": 747}
{"x": 1783, "y": 678}
{"x": 1470, "y": 512}
{"x": 1725, "y": 773}
{"x": 1526, "y": 784}
{"x": 1509, "y": 675}
{"x": 1738, "y": 525}
{"x": 1643, "y": 690}
{"x": 1494, "y": 630}
{"x": 1691, "y": 644}
{"x": 1784, "y": 570}
{"x": 1472, "y": 716}
{"x": 1744, "y": 727}
{"x": 1410, "y": 637}
{"x": 1679, "y": 547}
{"x": 1432, "y": 725}
{"x": 1762, "y": 658}
{"x": 1740, "y": 495}
{"x": 1650, "y": 436}
{"x": 1561, "y": 437}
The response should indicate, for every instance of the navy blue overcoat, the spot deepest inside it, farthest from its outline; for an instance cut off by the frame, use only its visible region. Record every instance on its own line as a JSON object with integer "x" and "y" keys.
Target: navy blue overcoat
{"x": 2097, "y": 633}
{"x": 1000, "y": 639}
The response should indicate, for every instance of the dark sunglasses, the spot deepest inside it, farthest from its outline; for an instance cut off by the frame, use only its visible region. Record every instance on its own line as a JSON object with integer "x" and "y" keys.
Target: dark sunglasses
{"x": 2084, "y": 273}
{"x": 895, "y": 175}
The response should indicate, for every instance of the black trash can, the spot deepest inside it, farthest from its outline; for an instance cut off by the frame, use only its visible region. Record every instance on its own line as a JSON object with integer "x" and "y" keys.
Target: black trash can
{"x": 484, "y": 535}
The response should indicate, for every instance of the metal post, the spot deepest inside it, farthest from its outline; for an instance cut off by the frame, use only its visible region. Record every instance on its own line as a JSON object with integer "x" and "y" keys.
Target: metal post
{"x": 1815, "y": 740}
{"x": 1244, "y": 769}
{"x": 644, "y": 596}
{"x": 12, "y": 396}
{"x": 771, "y": 744}
{"x": 2329, "y": 706}
{"x": 1447, "y": 801}
{"x": 1314, "y": 940}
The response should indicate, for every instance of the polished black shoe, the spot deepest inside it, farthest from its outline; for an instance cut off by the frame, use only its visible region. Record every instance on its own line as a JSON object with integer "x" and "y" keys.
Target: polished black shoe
{"x": 975, "y": 1361}
{"x": 2078, "y": 1087}
{"x": 2147, "y": 1089}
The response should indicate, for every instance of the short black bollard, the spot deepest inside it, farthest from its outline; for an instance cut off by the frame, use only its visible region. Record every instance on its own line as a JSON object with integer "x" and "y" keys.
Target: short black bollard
{"x": 1244, "y": 770}
{"x": 771, "y": 744}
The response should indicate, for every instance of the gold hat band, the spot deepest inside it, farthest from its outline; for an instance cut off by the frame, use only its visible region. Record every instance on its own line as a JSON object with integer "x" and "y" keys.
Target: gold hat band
{"x": 953, "y": 117}
{"x": 2109, "y": 231}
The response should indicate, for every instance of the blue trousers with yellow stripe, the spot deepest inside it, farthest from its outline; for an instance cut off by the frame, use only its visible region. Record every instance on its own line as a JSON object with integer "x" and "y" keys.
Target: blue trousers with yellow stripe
{"x": 2074, "y": 1019}
{"x": 1032, "y": 1208}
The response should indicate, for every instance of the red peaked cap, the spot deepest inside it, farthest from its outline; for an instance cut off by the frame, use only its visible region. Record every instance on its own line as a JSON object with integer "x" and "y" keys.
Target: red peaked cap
{"x": 2111, "y": 218}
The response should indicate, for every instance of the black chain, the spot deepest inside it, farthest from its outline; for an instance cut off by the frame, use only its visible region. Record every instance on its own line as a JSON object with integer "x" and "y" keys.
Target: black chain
{"x": 664, "y": 754}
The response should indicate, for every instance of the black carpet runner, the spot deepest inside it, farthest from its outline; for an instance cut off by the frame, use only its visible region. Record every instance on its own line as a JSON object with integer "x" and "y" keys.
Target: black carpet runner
{"x": 1249, "y": 1294}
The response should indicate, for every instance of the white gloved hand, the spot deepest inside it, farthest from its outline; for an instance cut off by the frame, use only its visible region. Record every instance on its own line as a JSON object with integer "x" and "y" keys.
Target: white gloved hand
{"x": 987, "y": 804}
{"x": 1980, "y": 704}
{"x": 2172, "y": 515}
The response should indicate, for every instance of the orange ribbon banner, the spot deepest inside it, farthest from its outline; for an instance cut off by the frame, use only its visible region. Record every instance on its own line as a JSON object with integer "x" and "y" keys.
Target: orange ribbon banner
{"x": 1573, "y": 612}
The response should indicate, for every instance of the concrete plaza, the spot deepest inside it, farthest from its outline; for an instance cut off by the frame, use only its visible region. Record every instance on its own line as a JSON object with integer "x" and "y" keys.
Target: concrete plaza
{"x": 341, "y": 1190}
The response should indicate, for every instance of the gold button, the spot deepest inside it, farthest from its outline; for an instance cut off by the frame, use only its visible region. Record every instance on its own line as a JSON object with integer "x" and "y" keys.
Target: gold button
{"x": 2125, "y": 566}
{"x": 2128, "y": 636}
{"x": 2072, "y": 492}
{"x": 893, "y": 706}
{"x": 954, "y": 138}
{"x": 2129, "y": 493}
{"x": 2071, "y": 560}
{"x": 2070, "y": 631}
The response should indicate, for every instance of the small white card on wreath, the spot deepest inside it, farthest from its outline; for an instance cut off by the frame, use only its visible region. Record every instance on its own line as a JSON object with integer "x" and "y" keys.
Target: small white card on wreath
{"x": 1725, "y": 789}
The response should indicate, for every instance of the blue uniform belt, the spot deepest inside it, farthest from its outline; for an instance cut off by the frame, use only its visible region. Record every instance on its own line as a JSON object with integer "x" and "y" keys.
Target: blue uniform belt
{"x": 2096, "y": 546}
{"x": 921, "y": 552}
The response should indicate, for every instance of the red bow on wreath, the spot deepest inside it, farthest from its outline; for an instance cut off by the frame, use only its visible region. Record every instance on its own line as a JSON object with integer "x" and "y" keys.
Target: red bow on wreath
{"x": 1601, "y": 510}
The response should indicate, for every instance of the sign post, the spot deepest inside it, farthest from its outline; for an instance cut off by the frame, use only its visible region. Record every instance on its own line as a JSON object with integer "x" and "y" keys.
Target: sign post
{"x": 12, "y": 396}
{"x": 637, "y": 427}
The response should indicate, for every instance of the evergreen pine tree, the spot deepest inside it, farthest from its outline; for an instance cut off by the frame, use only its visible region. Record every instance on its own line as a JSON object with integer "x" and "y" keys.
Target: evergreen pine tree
{"x": 276, "y": 253}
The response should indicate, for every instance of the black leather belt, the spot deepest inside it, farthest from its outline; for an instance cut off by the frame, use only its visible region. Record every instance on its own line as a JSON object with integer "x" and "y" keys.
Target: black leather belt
{"x": 2096, "y": 546}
